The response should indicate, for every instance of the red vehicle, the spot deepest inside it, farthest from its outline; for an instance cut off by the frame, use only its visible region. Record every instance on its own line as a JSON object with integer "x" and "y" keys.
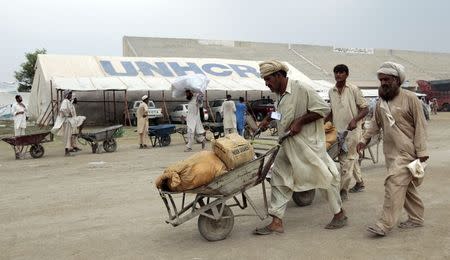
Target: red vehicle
{"x": 438, "y": 89}
{"x": 261, "y": 107}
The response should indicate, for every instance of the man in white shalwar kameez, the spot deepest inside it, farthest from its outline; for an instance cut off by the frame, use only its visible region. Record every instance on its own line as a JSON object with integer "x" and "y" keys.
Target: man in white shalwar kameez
{"x": 228, "y": 111}
{"x": 399, "y": 113}
{"x": 194, "y": 124}
{"x": 19, "y": 112}
{"x": 67, "y": 122}
{"x": 302, "y": 163}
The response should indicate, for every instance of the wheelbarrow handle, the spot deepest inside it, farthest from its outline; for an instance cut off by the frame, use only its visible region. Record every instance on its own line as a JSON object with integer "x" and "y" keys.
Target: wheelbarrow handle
{"x": 284, "y": 137}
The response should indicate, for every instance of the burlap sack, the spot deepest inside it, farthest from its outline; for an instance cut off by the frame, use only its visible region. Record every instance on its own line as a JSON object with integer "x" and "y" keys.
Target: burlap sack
{"x": 330, "y": 134}
{"x": 197, "y": 170}
{"x": 233, "y": 150}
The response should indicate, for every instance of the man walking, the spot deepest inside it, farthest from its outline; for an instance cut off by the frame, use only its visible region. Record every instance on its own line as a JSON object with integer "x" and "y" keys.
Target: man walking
{"x": 302, "y": 162}
{"x": 348, "y": 110}
{"x": 228, "y": 111}
{"x": 195, "y": 128}
{"x": 241, "y": 110}
{"x": 399, "y": 113}
{"x": 142, "y": 122}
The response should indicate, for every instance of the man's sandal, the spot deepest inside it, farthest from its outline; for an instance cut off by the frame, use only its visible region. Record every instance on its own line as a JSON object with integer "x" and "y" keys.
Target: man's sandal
{"x": 337, "y": 223}
{"x": 266, "y": 231}
{"x": 409, "y": 224}
{"x": 376, "y": 230}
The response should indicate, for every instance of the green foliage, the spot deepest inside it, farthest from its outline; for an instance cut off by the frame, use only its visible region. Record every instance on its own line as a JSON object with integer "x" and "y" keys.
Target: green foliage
{"x": 25, "y": 75}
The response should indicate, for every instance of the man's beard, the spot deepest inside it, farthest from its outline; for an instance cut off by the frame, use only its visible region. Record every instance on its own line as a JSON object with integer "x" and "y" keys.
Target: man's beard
{"x": 189, "y": 98}
{"x": 387, "y": 92}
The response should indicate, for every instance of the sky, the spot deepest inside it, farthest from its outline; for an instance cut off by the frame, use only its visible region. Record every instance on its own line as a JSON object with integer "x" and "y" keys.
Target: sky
{"x": 96, "y": 27}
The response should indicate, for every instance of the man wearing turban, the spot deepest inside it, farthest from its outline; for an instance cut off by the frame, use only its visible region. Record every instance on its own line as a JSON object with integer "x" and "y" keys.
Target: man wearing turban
{"x": 399, "y": 114}
{"x": 67, "y": 122}
{"x": 302, "y": 162}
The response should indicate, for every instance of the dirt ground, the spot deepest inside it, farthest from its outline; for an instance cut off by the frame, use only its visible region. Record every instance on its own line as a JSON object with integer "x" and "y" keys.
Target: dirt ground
{"x": 105, "y": 206}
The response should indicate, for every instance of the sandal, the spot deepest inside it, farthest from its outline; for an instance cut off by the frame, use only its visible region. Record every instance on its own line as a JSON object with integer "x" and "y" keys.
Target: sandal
{"x": 409, "y": 224}
{"x": 376, "y": 230}
{"x": 337, "y": 223}
{"x": 359, "y": 186}
{"x": 267, "y": 231}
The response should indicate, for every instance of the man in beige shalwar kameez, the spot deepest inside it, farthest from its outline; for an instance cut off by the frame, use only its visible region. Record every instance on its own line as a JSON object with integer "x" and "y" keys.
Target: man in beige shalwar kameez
{"x": 302, "y": 163}
{"x": 399, "y": 113}
{"x": 348, "y": 109}
{"x": 142, "y": 122}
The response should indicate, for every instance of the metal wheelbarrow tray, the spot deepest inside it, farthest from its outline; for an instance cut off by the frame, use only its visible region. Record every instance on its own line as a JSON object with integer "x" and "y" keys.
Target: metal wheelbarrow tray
{"x": 215, "y": 218}
{"x": 29, "y": 143}
{"x": 160, "y": 134}
{"x": 105, "y": 135}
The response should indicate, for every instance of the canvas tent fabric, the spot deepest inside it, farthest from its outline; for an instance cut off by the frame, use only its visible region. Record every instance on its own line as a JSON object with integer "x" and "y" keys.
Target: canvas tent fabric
{"x": 99, "y": 73}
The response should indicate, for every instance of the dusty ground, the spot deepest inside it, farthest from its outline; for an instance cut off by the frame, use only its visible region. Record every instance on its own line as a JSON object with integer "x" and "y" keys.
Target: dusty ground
{"x": 105, "y": 206}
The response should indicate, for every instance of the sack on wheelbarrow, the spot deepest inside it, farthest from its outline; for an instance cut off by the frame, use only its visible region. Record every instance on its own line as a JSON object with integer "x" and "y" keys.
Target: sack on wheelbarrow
{"x": 197, "y": 170}
{"x": 233, "y": 150}
{"x": 330, "y": 134}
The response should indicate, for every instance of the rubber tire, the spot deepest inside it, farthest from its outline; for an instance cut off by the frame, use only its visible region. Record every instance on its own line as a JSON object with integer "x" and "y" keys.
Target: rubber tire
{"x": 165, "y": 140}
{"x": 259, "y": 117}
{"x": 215, "y": 230}
{"x": 218, "y": 117}
{"x": 247, "y": 134}
{"x": 304, "y": 198}
{"x": 94, "y": 147}
{"x": 133, "y": 121}
{"x": 37, "y": 151}
{"x": 110, "y": 145}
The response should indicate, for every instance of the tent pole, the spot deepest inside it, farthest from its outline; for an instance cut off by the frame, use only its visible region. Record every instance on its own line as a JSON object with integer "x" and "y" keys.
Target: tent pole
{"x": 114, "y": 106}
{"x": 165, "y": 106}
{"x": 261, "y": 94}
{"x": 246, "y": 97}
{"x": 127, "y": 115}
{"x": 209, "y": 108}
{"x": 104, "y": 104}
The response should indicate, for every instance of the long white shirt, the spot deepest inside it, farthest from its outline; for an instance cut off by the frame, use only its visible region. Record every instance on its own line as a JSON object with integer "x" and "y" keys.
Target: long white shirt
{"x": 20, "y": 120}
{"x": 193, "y": 121}
{"x": 228, "y": 111}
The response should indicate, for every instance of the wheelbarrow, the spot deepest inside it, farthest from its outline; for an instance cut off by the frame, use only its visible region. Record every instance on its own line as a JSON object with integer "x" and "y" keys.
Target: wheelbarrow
{"x": 106, "y": 136}
{"x": 160, "y": 134}
{"x": 28, "y": 144}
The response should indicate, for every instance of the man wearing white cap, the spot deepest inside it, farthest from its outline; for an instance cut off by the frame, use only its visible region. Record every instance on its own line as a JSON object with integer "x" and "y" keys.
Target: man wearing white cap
{"x": 142, "y": 122}
{"x": 399, "y": 113}
{"x": 302, "y": 162}
{"x": 67, "y": 122}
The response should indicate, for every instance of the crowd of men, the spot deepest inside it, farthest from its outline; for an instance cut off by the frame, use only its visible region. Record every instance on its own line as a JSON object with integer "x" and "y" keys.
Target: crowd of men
{"x": 301, "y": 111}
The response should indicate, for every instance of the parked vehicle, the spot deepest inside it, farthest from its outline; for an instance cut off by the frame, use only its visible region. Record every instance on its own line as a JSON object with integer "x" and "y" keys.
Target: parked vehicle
{"x": 154, "y": 113}
{"x": 215, "y": 106}
{"x": 261, "y": 107}
{"x": 437, "y": 89}
{"x": 179, "y": 113}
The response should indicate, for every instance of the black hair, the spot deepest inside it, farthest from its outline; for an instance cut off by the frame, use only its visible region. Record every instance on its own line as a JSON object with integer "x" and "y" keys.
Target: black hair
{"x": 229, "y": 96}
{"x": 282, "y": 72}
{"x": 340, "y": 68}
{"x": 241, "y": 99}
{"x": 17, "y": 96}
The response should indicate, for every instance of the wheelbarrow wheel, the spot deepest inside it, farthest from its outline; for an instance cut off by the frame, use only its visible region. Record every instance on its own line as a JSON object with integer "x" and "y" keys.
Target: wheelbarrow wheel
{"x": 110, "y": 145}
{"x": 165, "y": 140}
{"x": 215, "y": 230}
{"x": 304, "y": 198}
{"x": 37, "y": 151}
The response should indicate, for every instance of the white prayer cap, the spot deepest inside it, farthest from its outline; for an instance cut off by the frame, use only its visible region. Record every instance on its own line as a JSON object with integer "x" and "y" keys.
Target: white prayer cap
{"x": 393, "y": 69}
{"x": 144, "y": 97}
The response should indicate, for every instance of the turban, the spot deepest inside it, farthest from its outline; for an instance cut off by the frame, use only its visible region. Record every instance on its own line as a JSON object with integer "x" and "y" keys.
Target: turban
{"x": 269, "y": 67}
{"x": 144, "y": 97}
{"x": 66, "y": 92}
{"x": 393, "y": 69}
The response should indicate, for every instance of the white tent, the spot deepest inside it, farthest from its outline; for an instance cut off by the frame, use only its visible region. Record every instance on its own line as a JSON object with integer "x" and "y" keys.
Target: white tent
{"x": 95, "y": 73}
